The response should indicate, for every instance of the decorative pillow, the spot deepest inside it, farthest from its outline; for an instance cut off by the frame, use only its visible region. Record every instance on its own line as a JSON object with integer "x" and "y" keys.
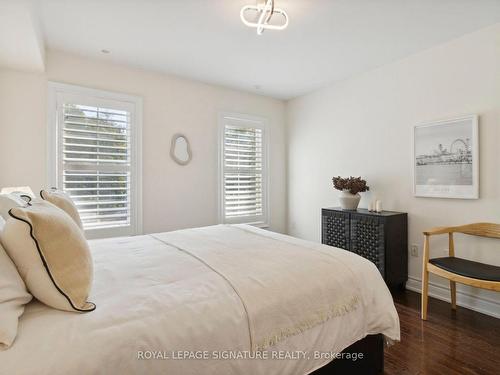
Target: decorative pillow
{"x": 51, "y": 255}
{"x": 64, "y": 202}
{"x": 13, "y": 297}
{"x": 8, "y": 201}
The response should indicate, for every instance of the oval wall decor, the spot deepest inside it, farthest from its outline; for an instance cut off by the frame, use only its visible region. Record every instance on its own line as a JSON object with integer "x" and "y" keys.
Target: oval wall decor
{"x": 180, "y": 150}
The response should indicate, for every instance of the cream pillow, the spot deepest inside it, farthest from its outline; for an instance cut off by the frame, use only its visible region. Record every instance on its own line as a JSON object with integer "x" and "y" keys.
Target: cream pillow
{"x": 51, "y": 255}
{"x": 8, "y": 201}
{"x": 13, "y": 297}
{"x": 64, "y": 202}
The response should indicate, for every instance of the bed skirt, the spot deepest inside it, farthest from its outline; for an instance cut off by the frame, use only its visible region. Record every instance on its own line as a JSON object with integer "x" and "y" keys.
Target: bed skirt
{"x": 372, "y": 363}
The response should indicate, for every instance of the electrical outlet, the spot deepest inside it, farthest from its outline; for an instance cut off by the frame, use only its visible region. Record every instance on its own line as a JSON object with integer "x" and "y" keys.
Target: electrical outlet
{"x": 414, "y": 250}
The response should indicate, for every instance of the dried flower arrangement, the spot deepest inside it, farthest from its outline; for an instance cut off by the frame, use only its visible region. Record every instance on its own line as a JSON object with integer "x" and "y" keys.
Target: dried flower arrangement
{"x": 354, "y": 185}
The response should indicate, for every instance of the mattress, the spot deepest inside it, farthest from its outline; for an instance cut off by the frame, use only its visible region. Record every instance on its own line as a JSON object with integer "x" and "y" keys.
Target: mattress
{"x": 161, "y": 310}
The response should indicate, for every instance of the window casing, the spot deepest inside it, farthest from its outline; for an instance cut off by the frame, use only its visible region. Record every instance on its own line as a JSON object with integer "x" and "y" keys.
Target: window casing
{"x": 94, "y": 156}
{"x": 243, "y": 170}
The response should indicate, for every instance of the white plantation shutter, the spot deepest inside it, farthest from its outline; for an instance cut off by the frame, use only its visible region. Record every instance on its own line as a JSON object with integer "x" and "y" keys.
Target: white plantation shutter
{"x": 243, "y": 185}
{"x": 96, "y": 164}
{"x": 96, "y": 161}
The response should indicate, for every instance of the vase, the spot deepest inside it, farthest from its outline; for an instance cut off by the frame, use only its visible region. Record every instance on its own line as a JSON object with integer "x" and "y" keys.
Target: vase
{"x": 349, "y": 201}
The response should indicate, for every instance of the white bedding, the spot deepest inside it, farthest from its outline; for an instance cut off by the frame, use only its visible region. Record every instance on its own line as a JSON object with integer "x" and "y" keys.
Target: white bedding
{"x": 154, "y": 300}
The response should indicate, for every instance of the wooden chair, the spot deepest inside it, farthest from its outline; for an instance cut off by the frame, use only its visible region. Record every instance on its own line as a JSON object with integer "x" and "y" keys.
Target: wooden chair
{"x": 459, "y": 270}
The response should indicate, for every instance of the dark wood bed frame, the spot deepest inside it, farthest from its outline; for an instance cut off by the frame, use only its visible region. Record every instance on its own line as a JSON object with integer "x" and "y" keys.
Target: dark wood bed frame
{"x": 372, "y": 363}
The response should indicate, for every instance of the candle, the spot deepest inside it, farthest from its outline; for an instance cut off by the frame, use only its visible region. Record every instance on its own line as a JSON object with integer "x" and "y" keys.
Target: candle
{"x": 378, "y": 206}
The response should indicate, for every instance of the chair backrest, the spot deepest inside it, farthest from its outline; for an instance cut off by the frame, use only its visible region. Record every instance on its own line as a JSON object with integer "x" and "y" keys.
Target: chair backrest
{"x": 479, "y": 229}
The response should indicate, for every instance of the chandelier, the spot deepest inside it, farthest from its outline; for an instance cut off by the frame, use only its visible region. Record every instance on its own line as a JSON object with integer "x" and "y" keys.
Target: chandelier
{"x": 262, "y": 14}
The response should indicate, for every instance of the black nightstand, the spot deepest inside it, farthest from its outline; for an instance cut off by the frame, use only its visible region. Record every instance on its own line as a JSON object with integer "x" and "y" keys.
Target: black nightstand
{"x": 379, "y": 237}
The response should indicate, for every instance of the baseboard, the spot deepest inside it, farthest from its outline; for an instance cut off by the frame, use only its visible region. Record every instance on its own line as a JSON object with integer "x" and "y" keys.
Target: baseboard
{"x": 469, "y": 301}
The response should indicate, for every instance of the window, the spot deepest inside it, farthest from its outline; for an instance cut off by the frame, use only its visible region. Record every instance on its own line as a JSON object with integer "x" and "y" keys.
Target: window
{"x": 94, "y": 156}
{"x": 243, "y": 170}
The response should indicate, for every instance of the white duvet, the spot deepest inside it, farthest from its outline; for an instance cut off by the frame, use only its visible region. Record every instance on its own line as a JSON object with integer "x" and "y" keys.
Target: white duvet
{"x": 161, "y": 310}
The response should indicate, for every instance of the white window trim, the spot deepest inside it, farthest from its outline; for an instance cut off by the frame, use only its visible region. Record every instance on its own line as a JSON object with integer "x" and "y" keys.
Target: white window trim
{"x": 256, "y": 122}
{"x": 55, "y": 88}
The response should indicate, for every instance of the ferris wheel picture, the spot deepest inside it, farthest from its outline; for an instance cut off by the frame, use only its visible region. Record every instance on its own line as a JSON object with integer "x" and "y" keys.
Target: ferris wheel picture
{"x": 446, "y": 158}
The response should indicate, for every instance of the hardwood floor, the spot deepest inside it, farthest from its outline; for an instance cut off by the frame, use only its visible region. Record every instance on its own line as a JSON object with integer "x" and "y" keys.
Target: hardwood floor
{"x": 461, "y": 342}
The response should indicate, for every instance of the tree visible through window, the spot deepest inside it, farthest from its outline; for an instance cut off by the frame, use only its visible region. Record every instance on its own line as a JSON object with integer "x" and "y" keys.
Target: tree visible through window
{"x": 95, "y": 161}
{"x": 243, "y": 171}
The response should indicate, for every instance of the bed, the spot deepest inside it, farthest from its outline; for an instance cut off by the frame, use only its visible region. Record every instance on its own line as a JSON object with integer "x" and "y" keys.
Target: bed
{"x": 226, "y": 299}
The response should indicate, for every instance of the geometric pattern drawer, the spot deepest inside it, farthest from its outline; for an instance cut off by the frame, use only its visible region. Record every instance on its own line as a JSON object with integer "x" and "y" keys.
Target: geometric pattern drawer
{"x": 380, "y": 237}
{"x": 335, "y": 230}
{"x": 367, "y": 239}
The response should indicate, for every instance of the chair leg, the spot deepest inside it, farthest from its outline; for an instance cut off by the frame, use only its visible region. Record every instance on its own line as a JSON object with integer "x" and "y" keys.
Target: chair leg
{"x": 453, "y": 290}
{"x": 425, "y": 291}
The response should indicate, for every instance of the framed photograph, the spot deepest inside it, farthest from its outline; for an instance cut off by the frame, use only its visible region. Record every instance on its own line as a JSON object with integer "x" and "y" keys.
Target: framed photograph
{"x": 446, "y": 158}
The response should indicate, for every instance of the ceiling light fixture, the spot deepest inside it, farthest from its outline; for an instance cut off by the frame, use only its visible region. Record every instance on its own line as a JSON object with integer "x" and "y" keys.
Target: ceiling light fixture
{"x": 263, "y": 11}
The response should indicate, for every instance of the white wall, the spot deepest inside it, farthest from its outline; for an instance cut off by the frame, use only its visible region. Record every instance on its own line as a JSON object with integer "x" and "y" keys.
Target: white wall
{"x": 174, "y": 196}
{"x": 363, "y": 126}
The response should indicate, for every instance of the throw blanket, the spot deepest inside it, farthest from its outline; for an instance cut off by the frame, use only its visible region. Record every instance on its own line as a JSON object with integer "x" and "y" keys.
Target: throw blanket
{"x": 309, "y": 283}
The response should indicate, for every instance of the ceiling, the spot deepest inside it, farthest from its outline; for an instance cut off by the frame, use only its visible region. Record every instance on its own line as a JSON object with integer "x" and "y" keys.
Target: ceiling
{"x": 326, "y": 40}
{"x": 21, "y": 40}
